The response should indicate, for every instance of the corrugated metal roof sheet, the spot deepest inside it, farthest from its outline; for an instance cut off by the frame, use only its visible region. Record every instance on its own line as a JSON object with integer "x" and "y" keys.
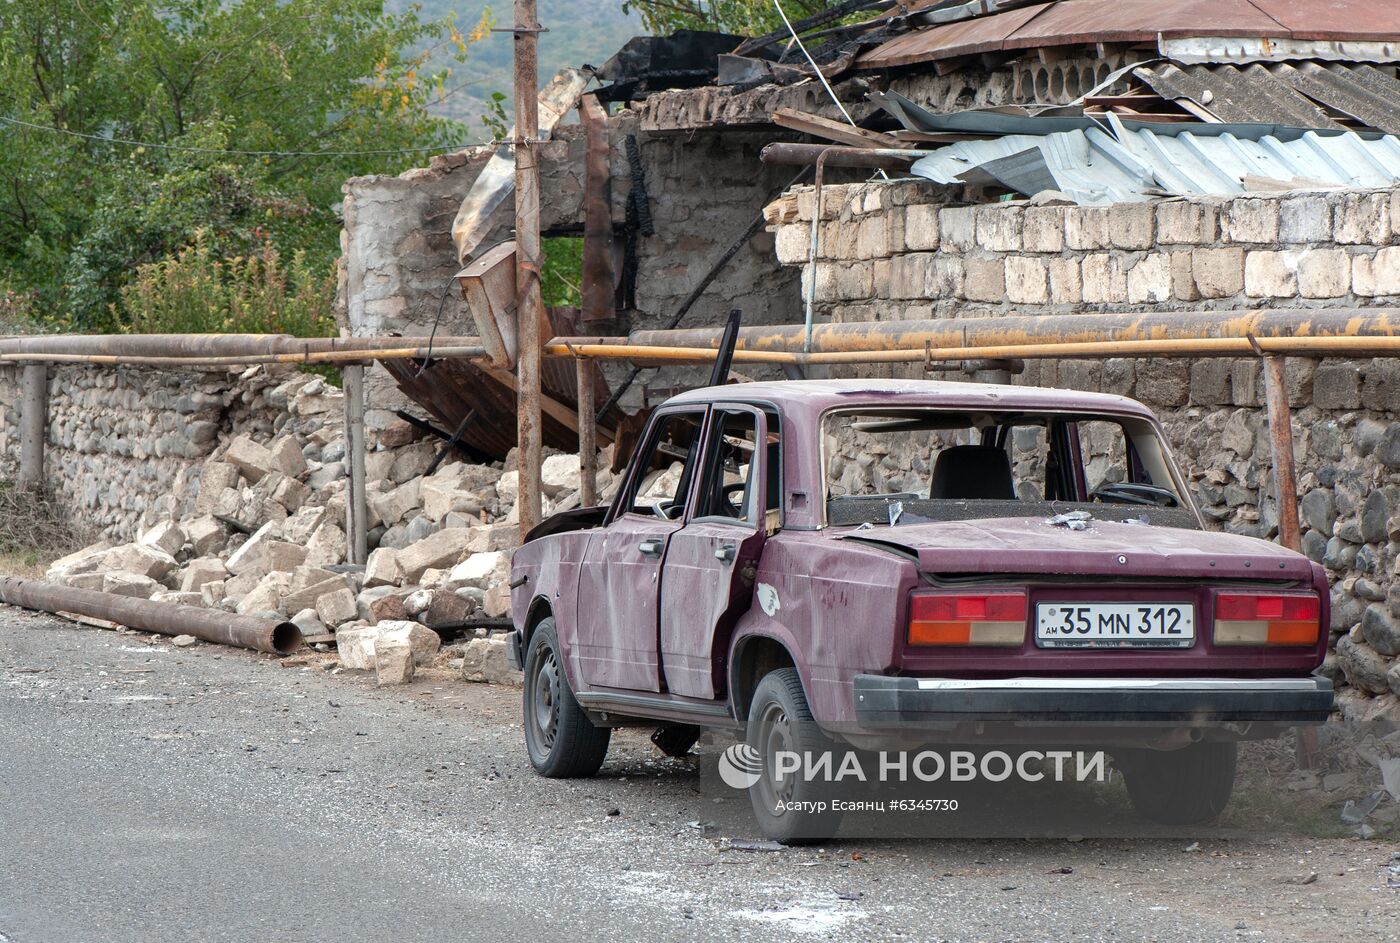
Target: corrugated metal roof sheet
{"x": 1095, "y": 166}
{"x": 1306, "y": 95}
{"x": 1076, "y": 22}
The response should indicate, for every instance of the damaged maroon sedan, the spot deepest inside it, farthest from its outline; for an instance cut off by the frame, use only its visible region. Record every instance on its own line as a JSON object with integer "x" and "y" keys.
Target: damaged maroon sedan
{"x": 885, "y": 564}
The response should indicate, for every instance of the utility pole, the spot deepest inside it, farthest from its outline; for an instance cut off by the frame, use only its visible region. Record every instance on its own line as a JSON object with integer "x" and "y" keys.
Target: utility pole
{"x": 529, "y": 309}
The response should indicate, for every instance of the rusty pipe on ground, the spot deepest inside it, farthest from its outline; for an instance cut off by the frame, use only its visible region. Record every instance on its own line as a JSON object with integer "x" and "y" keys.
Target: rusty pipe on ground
{"x": 866, "y": 158}
{"x": 163, "y": 618}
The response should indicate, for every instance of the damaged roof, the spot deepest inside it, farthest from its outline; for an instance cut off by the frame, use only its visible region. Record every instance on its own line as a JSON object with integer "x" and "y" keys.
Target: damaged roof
{"x": 1080, "y": 22}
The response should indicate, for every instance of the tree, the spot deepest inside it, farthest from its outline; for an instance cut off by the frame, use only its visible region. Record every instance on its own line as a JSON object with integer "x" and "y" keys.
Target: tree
{"x": 252, "y": 113}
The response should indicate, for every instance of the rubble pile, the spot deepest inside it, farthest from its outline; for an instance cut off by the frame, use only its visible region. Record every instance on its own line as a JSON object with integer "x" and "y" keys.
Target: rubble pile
{"x": 264, "y": 535}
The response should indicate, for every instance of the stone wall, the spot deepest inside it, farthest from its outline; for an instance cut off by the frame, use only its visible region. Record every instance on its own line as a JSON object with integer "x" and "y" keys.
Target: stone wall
{"x": 704, "y": 192}
{"x": 898, "y": 250}
{"x": 125, "y": 445}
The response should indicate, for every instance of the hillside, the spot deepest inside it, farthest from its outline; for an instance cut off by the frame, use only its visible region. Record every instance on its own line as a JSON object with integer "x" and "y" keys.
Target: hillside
{"x": 580, "y": 31}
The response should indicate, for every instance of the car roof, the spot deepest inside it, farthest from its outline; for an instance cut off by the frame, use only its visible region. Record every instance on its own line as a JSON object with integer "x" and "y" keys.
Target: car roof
{"x": 816, "y": 396}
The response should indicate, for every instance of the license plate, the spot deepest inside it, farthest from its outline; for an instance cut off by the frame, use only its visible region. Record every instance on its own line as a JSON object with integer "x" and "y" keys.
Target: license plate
{"x": 1115, "y": 625}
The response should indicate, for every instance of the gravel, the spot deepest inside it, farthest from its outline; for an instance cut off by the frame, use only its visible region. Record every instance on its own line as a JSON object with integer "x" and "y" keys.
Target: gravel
{"x": 155, "y": 793}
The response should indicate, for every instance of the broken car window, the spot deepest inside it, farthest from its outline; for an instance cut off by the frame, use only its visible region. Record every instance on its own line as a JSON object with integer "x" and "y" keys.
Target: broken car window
{"x": 937, "y": 464}
{"x": 664, "y": 475}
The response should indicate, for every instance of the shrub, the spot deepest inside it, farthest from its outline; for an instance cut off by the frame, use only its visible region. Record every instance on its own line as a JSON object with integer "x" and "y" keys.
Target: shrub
{"x": 195, "y": 293}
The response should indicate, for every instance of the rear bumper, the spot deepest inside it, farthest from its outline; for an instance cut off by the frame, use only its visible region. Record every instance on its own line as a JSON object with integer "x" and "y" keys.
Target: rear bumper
{"x": 893, "y": 703}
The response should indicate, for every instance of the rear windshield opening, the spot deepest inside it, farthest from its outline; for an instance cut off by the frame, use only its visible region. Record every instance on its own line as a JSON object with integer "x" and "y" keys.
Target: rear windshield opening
{"x": 904, "y": 466}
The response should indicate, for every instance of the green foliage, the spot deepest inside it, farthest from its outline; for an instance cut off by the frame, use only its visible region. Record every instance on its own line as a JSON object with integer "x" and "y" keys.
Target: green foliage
{"x": 198, "y": 292}
{"x": 494, "y": 118}
{"x": 562, "y": 272}
{"x": 314, "y": 82}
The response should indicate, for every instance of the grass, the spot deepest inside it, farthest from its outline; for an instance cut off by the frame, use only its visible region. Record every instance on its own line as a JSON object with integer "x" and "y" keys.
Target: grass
{"x": 34, "y": 530}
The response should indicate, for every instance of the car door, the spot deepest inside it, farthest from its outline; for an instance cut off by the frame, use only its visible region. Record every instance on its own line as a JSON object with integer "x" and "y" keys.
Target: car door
{"x": 707, "y": 578}
{"x": 619, "y": 585}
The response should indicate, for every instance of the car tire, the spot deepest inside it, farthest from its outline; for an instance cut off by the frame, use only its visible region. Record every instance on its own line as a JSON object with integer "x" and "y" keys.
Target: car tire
{"x": 779, "y": 719}
{"x": 562, "y": 742}
{"x": 1189, "y": 786}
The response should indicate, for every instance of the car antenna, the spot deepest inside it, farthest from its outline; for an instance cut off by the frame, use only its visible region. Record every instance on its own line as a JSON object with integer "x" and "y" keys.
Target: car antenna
{"x": 727, "y": 343}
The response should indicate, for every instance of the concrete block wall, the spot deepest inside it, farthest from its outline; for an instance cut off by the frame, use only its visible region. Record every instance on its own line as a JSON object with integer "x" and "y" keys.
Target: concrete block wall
{"x": 899, "y": 250}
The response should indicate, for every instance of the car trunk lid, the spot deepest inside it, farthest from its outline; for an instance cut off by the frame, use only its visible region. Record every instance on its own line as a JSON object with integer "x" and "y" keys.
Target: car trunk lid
{"x": 1034, "y": 546}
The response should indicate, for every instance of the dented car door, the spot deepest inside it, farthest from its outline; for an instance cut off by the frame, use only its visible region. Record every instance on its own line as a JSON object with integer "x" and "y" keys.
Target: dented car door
{"x": 619, "y": 587}
{"x": 707, "y": 578}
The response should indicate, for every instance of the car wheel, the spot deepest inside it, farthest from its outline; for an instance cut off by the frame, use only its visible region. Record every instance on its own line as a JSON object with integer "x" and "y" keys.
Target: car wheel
{"x": 561, "y": 740}
{"x": 1189, "y": 786}
{"x": 789, "y": 809}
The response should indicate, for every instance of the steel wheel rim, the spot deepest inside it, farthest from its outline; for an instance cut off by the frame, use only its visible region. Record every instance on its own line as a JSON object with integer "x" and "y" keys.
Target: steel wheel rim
{"x": 544, "y": 699}
{"x": 774, "y": 737}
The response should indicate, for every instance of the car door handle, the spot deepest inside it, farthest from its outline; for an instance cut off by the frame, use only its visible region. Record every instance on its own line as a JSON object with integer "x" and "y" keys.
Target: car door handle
{"x": 726, "y": 553}
{"x": 651, "y": 548}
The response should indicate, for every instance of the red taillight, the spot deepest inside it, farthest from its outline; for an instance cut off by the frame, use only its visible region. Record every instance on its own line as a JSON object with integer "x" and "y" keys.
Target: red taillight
{"x": 1267, "y": 619}
{"x": 967, "y": 619}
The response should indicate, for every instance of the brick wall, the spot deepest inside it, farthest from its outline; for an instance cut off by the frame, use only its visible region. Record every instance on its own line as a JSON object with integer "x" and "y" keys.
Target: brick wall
{"x": 899, "y": 250}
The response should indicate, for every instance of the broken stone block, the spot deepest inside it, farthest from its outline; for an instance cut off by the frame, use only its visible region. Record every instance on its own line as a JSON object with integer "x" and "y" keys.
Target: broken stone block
{"x": 480, "y": 570}
{"x": 206, "y": 535}
{"x": 508, "y": 487}
{"x": 416, "y": 602}
{"x": 264, "y": 553}
{"x": 432, "y": 577}
{"x": 266, "y": 596}
{"x": 306, "y": 597}
{"x": 395, "y": 505}
{"x": 441, "y": 498}
{"x": 441, "y": 550}
{"x": 139, "y": 558}
{"x": 382, "y": 568}
{"x": 327, "y": 546}
{"x": 423, "y": 641}
{"x": 212, "y": 594}
{"x": 300, "y": 526}
{"x": 321, "y": 478}
{"x": 309, "y": 622}
{"x": 286, "y": 457}
{"x": 378, "y": 465}
{"x": 559, "y": 474}
{"x": 355, "y": 646}
{"x": 92, "y": 581}
{"x": 393, "y": 661}
{"x": 177, "y": 598}
{"x": 214, "y": 479}
{"x": 411, "y": 462}
{"x": 396, "y": 434}
{"x": 250, "y": 458}
{"x": 88, "y": 560}
{"x": 497, "y": 602}
{"x": 202, "y": 570}
{"x": 120, "y": 583}
{"x": 447, "y": 609}
{"x": 166, "y": 536}
{"x": 381, "y": 603}
{"x": 485, "y": 661}
{"x": 291, "y": 494}
{"x": 489, "y": 537}
{"x": 337, "y": 607}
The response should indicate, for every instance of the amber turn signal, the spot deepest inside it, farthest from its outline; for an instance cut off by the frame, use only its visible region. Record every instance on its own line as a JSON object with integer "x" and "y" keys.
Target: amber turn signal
{"x": 1272, "y": 619}
{"x": 943, "y": 619}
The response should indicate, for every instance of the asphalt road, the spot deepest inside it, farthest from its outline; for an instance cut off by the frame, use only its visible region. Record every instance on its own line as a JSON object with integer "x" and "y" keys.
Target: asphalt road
{"x": 150, "y": 793}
